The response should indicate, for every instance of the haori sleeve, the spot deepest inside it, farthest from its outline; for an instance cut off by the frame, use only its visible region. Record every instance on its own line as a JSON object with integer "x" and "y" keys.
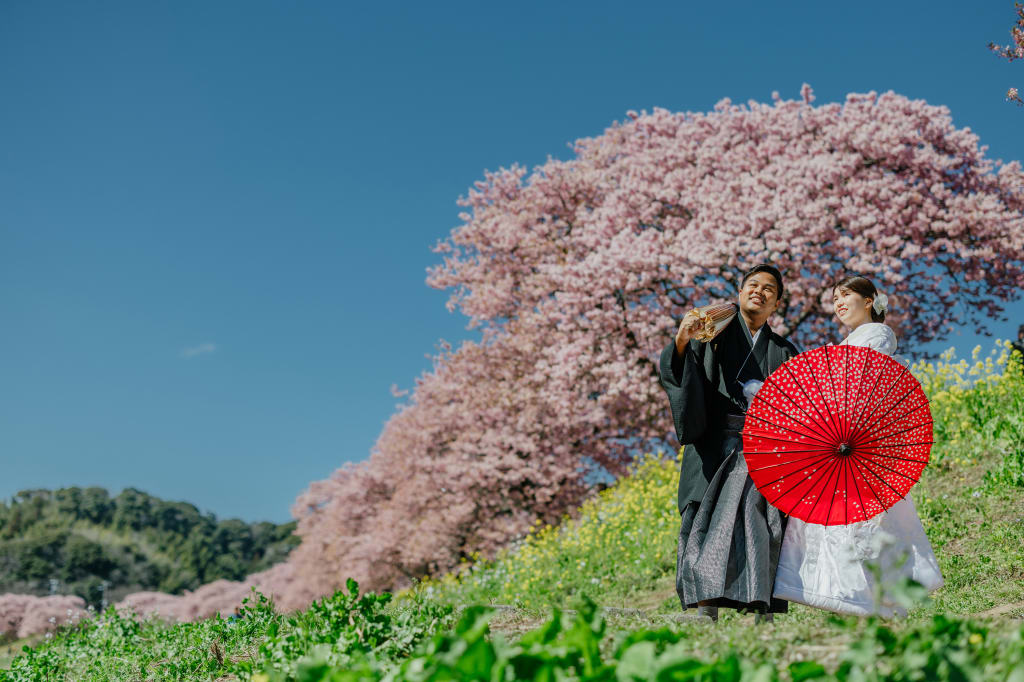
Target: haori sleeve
{"x": 682, "y": 377}
{"x": 880, "y": 337}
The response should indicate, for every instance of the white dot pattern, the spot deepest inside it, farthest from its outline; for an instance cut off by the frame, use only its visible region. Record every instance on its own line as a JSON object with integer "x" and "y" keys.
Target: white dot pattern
{"x": 837, "y": 435}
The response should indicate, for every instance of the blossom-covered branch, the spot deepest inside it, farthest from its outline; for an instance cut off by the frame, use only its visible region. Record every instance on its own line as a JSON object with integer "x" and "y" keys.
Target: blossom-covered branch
{"x": 1013, "y": 51}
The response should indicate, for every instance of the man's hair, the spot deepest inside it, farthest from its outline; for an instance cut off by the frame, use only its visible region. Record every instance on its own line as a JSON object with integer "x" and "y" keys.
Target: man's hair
{"x": 1020, "y": 331}
{"x": 764, "y": 267}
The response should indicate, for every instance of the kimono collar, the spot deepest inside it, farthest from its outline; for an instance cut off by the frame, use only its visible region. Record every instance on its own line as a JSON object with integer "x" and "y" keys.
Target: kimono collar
{"x": 760, "y": 349}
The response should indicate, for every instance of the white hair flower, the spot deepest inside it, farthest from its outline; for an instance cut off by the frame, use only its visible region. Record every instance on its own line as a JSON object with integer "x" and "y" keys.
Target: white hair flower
{"x": 881, "y": 303}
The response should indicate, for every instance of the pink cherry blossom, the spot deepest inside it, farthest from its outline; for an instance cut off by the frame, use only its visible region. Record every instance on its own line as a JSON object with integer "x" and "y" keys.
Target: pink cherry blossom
{"x": 1013, "y": 51}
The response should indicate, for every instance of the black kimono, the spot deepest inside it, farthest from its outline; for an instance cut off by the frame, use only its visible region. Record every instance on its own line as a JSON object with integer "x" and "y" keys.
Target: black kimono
{"x": 730, "y": 538}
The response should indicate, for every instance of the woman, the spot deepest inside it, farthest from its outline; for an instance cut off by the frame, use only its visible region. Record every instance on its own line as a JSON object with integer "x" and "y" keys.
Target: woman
{"x": 833, "y": 567}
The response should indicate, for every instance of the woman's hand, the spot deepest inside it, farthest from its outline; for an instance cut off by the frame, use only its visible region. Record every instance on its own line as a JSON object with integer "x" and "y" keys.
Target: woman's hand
{"x": 688, "y": 326}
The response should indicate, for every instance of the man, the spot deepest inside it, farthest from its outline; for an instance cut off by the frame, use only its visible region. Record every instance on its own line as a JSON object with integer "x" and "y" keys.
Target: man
{"x": 729, "y": 539}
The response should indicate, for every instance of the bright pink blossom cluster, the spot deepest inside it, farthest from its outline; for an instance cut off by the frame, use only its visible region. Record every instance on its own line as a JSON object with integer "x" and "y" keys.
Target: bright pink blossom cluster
{"x": 577, "y": 274}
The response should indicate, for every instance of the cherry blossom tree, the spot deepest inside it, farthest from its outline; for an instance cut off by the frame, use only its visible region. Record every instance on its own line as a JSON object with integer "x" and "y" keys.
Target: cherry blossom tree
{"x": 1013, "y": 51}
{"x": 578, "y": 273}
{"x": 22, "y": 615}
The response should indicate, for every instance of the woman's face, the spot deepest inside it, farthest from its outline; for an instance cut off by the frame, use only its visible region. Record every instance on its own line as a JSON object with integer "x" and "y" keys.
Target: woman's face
{"x": 852, "y": 309}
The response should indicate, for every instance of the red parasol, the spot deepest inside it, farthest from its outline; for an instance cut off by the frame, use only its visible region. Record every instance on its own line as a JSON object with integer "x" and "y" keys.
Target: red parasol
{"x": 837, "y": 435}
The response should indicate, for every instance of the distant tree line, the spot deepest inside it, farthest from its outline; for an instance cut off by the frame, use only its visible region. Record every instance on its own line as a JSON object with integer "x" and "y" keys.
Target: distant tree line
{"x": 83, "y": 541}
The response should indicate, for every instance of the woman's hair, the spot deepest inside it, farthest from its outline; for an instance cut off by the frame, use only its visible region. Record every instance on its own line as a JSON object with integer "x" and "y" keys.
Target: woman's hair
{"x": 866, "y": 288}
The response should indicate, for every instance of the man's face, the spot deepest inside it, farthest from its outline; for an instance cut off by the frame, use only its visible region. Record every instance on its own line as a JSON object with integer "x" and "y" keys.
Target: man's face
{"x": 759, "y": 295}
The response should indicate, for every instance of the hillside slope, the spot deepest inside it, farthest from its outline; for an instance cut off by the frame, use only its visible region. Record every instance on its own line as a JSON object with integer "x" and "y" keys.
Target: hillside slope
{"x": 618, "y": 551}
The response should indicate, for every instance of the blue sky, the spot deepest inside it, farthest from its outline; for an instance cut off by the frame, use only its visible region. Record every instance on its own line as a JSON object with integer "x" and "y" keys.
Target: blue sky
{"x": 215, "y": 218}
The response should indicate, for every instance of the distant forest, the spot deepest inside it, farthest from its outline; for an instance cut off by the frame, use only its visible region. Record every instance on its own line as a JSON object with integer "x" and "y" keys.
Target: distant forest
{"x": 83, "y": 541}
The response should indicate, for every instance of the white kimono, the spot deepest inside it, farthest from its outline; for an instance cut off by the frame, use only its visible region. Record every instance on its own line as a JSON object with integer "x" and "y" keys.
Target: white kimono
{"x": 826, "y": 566}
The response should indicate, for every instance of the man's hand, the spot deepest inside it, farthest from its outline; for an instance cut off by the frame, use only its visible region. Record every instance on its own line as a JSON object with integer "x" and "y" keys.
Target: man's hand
{"x": 689, "y": 326}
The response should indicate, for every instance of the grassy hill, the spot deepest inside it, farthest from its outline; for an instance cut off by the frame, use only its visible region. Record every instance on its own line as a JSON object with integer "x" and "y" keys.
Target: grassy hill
{"x": 83, "y": 541}
{"x": 593, "y": 597}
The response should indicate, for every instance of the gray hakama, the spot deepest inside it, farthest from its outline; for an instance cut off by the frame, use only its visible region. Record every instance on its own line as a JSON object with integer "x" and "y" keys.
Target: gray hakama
{"x": 730, "y": 537}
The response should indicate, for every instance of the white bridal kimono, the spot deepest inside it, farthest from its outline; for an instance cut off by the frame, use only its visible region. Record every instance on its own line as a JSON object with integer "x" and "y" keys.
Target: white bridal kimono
{"x": 826, "y": 566}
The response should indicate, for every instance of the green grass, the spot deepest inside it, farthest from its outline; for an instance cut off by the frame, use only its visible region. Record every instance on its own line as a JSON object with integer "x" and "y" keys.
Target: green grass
{"x": 618, "y": 552}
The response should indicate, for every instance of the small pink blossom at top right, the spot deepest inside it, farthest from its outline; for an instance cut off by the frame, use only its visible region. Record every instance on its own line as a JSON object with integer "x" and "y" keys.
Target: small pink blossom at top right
{"x": 1013, "y": 51}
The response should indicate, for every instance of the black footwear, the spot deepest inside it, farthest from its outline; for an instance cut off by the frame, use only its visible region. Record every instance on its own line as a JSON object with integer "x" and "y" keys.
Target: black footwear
{"x": 708, "y": 612}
